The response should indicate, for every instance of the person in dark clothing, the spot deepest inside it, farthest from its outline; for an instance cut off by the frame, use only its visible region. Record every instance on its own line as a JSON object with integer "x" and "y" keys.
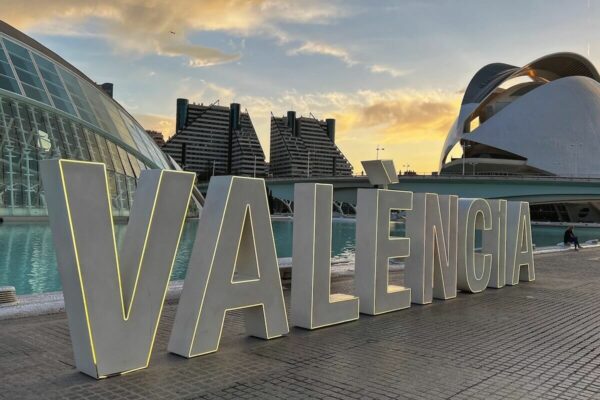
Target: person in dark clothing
{"x": 571, "y": 238}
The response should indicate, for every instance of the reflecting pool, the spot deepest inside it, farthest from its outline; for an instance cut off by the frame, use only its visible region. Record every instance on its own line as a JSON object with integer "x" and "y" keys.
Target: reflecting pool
{"x": 28, "y": 262}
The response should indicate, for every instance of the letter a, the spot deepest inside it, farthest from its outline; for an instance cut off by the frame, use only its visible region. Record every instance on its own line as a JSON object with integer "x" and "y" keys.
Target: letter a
{"x": 113, "y": 300}
{"x": 313, "y": 305}
{"x": 519, "y": 246}
{"x": 375, "y": 247}
{"x": 233, "y": 266}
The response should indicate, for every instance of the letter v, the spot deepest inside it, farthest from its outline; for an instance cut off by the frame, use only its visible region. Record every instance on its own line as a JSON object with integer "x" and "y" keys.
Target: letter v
{"x": 113, "y": 299}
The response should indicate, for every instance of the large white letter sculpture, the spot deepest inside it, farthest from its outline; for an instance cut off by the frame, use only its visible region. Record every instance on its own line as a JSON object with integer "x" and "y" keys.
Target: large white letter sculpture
{"x": 313, "y": 305}
{"x": 233, "y": 266}
{"x": 519, "y": 249}
{"x": 431, "y": 268}
{"x": 375, "y": 247}
{"x": 113, "y": 300}
{"x": 494, "y": 243}
{"x": 474, "y": 268}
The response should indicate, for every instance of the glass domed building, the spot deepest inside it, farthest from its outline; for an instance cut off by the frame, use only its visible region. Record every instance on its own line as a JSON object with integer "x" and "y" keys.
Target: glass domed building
{"x": 50, "y": 109}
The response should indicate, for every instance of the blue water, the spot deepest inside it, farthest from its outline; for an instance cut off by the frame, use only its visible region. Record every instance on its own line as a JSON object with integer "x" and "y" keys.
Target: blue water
{"x": 28, "y": 262}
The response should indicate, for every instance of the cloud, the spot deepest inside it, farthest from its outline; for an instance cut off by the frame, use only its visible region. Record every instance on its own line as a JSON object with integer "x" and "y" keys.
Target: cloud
{"x": 323, "y": 49}
{"x": 385, "y": 69}
{"x": 160, "y": 123}
{"x": 312, "y": 47}
{"x": 404, "y": 116}
{"x": 164, "y": 28}
{"x": 146, "y": 27}
{"x": 395, "y": 110}
{"x": 207, "y": 91}
{"x": 410, "y": 124}
{"x": 199, "y": 56}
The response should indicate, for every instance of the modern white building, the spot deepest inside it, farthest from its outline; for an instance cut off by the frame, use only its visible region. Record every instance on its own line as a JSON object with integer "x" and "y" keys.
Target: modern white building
{"x": 542, "y": 119}
{"x": 539, "y": 119}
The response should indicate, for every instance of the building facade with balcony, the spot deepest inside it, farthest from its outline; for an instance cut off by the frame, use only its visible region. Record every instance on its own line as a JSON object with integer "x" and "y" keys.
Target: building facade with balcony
{"x": 215, "y": 140}
{"x": 305, "y": 147}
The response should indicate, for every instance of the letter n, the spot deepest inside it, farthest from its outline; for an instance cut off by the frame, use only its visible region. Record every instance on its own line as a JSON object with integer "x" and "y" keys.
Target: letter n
{"x": 233, "y": 266}
{"x": 113, "y": 300}
{"x": 432, "y": 226}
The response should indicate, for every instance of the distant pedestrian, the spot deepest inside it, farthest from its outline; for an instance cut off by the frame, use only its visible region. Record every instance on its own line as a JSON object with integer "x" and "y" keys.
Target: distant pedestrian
{"x": 571, "y": 238}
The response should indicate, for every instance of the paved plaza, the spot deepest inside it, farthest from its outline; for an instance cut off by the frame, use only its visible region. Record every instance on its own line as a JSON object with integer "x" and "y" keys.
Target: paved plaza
{"x": 535, "y": 340}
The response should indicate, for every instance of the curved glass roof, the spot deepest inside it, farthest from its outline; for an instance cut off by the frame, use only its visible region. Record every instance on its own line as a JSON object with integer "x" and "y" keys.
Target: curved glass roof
{"x": 29, "y": 72}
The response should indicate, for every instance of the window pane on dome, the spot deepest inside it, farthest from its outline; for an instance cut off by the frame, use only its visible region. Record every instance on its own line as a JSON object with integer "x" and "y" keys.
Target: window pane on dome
{"x": 26, "y": 72}
{"x": 9, "y": 84}
{"x": 54, "y": 85}
{"x": 114, "y": 154}
{"x": 134, "y": 165}
{"x": 7, "y": 78}
{"x": 125, "y": 162}
{"x": 79, "y": 99}
{"x": 104, "y": 152}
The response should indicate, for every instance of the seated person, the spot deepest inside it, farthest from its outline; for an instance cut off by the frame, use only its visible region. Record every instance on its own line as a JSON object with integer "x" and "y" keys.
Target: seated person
{"x": 571, "y": 238}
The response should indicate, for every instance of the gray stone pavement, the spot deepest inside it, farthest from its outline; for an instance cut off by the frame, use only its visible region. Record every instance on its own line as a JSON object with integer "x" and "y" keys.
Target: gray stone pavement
{"x": 535, "y": 340}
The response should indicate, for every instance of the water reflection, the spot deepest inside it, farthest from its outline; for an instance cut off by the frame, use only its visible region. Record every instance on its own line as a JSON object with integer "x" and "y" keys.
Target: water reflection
{"x": 27, "y": 259}
{"x": 28, "y": 262}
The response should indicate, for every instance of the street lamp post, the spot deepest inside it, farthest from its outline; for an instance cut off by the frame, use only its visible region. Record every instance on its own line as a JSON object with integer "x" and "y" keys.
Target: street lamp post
{"x": 254, "y": 166}
{"x": 308, "y": 165}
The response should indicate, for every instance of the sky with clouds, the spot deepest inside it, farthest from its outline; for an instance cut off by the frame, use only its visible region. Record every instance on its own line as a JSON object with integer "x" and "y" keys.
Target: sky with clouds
{"x": 391, "y": 72}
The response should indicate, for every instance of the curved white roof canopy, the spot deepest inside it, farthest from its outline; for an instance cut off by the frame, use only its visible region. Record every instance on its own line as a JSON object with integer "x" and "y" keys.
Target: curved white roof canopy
{"x": 546, "y": 70}
{"x": 555, "y": 127}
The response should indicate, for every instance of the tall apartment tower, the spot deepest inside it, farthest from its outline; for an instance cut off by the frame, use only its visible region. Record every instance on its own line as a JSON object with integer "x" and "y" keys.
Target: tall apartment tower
{"x": 215, "y": 140}
{"x": 305, "y": 147}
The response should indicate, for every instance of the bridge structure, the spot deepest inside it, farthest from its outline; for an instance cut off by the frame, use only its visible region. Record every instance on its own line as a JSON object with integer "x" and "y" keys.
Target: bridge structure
{"x": 534, "y": 189}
